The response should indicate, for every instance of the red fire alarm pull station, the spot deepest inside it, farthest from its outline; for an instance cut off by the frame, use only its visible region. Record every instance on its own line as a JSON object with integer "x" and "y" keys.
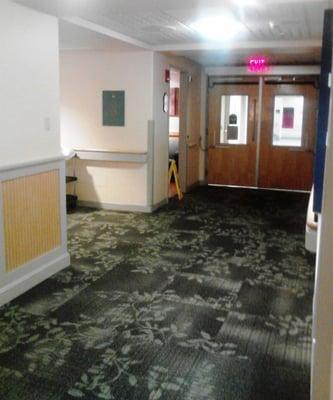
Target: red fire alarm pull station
{"x": 167, "y": 75}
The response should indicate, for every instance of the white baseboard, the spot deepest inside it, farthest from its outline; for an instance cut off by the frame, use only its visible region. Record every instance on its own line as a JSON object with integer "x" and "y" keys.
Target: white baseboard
{"x": 159, "y": 205}
{"x": 122, "y": 207}
{"x": 28, "y": 281}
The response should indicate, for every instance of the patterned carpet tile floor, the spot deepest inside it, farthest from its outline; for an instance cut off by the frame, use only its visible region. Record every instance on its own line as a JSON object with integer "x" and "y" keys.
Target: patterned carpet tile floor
{"x": 207, "y": 299}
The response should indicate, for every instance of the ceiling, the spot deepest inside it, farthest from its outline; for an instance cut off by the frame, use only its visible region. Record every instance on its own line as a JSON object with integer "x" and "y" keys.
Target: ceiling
{"x": 164, "y": 25}
{"x": 73, "y": 37}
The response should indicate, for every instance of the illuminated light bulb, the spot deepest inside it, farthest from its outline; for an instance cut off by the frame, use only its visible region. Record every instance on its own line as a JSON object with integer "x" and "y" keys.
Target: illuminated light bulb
{"x": 217, "y": 28}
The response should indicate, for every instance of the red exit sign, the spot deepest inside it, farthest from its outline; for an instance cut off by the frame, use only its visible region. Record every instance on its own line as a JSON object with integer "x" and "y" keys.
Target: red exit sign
{"x": 257, "y": 64}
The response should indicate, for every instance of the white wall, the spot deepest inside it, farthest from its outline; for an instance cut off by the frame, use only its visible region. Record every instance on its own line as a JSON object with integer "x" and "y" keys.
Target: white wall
{"x": 29, "y": 85}
{"x": 322, "y": 360}
{"x": 84, "y": 75}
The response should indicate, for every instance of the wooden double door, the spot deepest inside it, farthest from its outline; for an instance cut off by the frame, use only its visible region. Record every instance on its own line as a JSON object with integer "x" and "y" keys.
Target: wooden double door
{"x": 262, "y": 137}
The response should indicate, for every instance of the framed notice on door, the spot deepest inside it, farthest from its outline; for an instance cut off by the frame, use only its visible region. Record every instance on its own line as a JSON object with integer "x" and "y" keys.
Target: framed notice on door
{"x": 114, "y": 108}
{"x": 288, "y": 118}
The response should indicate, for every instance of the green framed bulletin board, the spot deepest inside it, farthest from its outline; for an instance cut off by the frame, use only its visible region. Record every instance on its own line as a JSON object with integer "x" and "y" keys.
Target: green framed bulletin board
{"x": 114, "y": 108}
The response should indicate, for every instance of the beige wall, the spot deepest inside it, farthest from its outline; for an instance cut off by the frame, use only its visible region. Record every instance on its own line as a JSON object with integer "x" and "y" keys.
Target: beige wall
{"x": 29, "y": 82}
{"x": 84, "y": 75}
{"x": 111, "y": 183}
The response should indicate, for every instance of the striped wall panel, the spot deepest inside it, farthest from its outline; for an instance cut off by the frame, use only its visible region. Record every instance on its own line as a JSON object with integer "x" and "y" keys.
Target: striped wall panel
{"x": 31, "y": 215}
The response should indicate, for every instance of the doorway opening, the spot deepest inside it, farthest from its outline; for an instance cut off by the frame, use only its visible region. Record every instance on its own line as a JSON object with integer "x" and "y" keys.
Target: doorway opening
{"x": 174, "y": 125}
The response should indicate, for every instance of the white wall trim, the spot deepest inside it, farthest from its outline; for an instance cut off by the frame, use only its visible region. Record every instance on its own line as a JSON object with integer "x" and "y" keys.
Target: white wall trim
{"x": 115, "y": 156}
{"x": 114, "y": 207}
{"x": 24, "y": 283}
{"x": 123, "y": 207}
{"x": 273, "y": 70}
{"x": 310, "y": 239}
{"x": 251, "y": 45}
{"x": 156, "y": 206}
{"x": 311, "y": 229}
{"x": 31, "y": 163}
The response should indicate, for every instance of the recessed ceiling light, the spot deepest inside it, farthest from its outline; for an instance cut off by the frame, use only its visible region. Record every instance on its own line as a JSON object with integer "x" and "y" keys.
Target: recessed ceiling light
{"x": 217, "y": 28}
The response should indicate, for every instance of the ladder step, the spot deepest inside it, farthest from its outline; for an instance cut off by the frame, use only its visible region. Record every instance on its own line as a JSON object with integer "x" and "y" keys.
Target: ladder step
{"x": 173, "y": 172}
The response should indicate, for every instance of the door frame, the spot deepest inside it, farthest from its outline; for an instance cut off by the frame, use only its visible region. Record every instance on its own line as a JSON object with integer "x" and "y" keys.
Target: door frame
{"x": 279, "y": 164}
{"x": 213, "y": 145}
{"x": 245, "y": 78}
{"x": 183, "y": 127}
{"x": 259, "y": 126}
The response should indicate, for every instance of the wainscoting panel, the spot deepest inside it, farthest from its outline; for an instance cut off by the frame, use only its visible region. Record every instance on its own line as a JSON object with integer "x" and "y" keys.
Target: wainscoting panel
{"x": 31, "y": 213}
{"x": 33, "y": 234}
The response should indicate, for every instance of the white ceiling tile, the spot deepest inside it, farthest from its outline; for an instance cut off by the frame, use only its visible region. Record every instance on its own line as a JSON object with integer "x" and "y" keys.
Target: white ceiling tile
{"x": 166, "y": 23}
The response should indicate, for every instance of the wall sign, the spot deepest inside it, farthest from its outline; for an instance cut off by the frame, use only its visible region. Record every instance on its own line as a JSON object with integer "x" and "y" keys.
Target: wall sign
{"x": 114, "y": 108}
{"x": 288, "y": 117}
{"x": 257, "y": 64}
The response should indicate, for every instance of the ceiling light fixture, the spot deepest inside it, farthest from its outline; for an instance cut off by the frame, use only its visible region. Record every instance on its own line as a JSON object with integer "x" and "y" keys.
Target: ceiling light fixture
{"x": 217, "y": 28}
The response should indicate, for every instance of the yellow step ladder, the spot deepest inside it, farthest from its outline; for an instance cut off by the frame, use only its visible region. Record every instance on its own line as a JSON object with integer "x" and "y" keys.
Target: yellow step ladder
{"x": 173, "y": 171}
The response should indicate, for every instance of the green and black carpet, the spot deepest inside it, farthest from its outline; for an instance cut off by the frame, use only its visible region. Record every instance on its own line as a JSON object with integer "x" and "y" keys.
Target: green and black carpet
{"x": 209, "y": 299}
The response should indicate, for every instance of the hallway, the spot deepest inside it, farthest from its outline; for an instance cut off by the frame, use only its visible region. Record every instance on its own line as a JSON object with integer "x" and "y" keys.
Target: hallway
{"x": 210, "y": 298}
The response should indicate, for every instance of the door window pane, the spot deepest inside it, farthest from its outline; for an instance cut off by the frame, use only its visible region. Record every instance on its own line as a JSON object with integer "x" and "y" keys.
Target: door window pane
{"x": 234, "y": 119}
{"x": 288, "y": 121}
